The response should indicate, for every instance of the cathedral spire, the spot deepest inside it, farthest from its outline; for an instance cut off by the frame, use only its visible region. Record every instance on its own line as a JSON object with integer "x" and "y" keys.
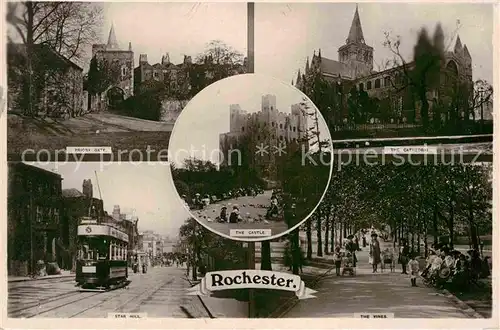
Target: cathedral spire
{"x": 356, "y": 32}
{"x": 458, "y": 45}
{"x": 307, "y": 65}
{"x": 112, "y": 42}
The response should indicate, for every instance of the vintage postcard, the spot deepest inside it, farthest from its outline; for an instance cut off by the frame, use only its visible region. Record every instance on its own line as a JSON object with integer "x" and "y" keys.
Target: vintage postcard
{"x": 249, "y": 165}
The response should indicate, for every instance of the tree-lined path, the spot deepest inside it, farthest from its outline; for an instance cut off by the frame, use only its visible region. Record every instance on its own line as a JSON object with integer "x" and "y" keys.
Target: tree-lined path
{"x": 379, "y": 293}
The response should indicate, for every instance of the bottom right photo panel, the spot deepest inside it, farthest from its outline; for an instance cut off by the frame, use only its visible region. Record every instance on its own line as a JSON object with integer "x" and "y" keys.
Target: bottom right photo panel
{"x": 389, "y": 241}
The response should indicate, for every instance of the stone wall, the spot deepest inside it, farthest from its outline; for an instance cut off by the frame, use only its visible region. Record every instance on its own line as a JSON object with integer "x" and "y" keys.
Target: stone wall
{"x": 171, "y": 109}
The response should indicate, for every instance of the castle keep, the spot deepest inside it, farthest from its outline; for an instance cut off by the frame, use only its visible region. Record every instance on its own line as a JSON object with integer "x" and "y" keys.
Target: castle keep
{"x": 269, "y": 127}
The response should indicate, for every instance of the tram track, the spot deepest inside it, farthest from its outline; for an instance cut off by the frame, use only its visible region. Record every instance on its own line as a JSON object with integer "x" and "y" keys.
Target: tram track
{"x": 44, "y": 301}
{"x": 64, "y": 303}
{"x": 137, "y": 297}
{"x": 132, "y": 299}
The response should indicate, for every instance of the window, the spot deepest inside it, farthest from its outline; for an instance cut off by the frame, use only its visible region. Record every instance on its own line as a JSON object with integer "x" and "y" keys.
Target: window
{"x": 272, "y": 124}
{"x": 387, "y": 81}
{"x": 377, "y": 83}
{"x": 369, "y": 85}
{"x": 243, "y": 129}
{"x": 155, "y": 74}
{"x": 281, "y": 126}
{"x": 124, "y": 71}
{"x": 272, "y": 108}
{"x": 294, "y": 128}
{"x": 361, "y": 86}
{"x": 281, "y": 137}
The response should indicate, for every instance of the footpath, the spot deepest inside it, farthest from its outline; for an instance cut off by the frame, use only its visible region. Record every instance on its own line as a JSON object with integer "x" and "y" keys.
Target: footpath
{"x": 65, "y": 274}
{"x": 222, "y": 307}
{"x": 384, "y": 292}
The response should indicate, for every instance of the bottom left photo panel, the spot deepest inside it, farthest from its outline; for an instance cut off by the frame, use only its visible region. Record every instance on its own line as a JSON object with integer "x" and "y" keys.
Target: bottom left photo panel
{"x": 94, "y": 240}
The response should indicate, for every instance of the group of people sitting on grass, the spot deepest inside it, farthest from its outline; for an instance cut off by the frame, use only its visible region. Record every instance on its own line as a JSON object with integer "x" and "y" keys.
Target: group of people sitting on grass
{"x": 199, "y": 201}
{"x": 445, "y": 266}
{"x": 234, "y": 216}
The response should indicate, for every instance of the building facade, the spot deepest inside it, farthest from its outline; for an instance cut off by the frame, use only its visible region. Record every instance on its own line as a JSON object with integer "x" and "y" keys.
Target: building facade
{"x": 119, "y": 64}
{"x": 56, "y": 82}
{"x": 354, "y": 68}
{"x": 77, "y": 205}
{"x": 34, "y": 208}
{"x": 269, "y": 126}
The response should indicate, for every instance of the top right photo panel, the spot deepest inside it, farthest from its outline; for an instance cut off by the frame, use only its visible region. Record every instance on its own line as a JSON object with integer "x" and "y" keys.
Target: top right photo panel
{"x": 386, "y": 74}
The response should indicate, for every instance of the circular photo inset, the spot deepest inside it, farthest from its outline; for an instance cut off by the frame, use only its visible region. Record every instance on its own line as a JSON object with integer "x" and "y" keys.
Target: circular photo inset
{"x": 250, "y": 157}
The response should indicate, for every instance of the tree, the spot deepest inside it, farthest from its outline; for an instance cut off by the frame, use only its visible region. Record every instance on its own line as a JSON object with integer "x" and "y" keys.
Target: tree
{"x": 64, "y": 27}
{"x": 423, "y": 74}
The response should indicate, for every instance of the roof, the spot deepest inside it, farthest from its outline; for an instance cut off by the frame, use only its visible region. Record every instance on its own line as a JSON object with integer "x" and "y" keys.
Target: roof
{"x": 71, "y": 193}
{"x": 24, "y": 166}
{"x": 21, "y": 48}
{"x": 356, "y": 32}
{"x": 333, "y": 67}
{"x": 112, "y": 42}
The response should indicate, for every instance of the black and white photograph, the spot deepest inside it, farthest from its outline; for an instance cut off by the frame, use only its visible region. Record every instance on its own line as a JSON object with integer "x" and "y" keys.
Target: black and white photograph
{"x": 115, "y": 75}
{"x": 247, "y": 151}
{"x": 82, "y": 245}
{"x": 387, "y": 74}
{"x": 394, "y": 241}
{"x": 268, "y": 164}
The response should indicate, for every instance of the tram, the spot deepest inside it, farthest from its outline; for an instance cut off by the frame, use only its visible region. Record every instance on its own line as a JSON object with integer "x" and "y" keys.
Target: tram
{"x": 102, "y": 257}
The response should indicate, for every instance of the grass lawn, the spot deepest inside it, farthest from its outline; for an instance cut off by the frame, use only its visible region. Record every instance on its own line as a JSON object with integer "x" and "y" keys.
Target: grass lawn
{"x": 97, "y": 130}
{"x": 478, "y": 297}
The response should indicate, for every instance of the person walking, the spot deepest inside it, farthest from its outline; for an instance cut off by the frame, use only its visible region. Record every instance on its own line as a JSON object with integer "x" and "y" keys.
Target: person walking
{"x": 375, "y": 252}
{"x": 404, "y": 255}
{"x": 352, "y": 248}
{"x": 338, "y": 259}
{"x": 414, "y": 267}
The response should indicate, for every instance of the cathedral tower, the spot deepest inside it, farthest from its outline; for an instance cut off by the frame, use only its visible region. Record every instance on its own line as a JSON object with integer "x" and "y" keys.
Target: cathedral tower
{"x": 356, "y": 53}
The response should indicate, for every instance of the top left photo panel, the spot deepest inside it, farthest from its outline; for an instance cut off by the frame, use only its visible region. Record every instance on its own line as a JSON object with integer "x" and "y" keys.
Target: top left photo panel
{"x": 106, "y": 81}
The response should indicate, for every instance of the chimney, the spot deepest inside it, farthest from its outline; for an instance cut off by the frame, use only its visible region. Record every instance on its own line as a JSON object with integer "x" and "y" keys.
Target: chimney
{"x": 143, "y": 58}
{"x": 87, "y": 188}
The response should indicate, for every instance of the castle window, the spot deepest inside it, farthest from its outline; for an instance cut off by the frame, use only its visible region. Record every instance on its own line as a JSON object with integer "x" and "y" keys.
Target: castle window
{"x": 243, "y": 129}
{"x": 387, "y": 81}
{"x": 281, "y": 126}
{"x": 155, "y": 74}
{"x": 281, "y": 137}
{"x": 124, "y": 71}
{"x": 368, "y": 85}
{"x": 272, "y": 107}
{"x": 272, "y": 124}
{"x": 294, "y": 128}
{"x": 377, "y": 83}
{"x": 361, "y": 86}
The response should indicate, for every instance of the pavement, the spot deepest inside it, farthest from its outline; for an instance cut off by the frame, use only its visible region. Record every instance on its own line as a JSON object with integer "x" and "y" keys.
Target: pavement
{"x": 251, "y": 211}
{"x": 65, "y": 274}
{"x": 380, "y": 293}
{"x": 161, "y": 292}
{"x": 223, "y": 307}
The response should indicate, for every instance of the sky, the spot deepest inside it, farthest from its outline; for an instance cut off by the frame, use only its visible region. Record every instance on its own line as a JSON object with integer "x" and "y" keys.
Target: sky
{"x": 155, "y": 28}
{"x": 141, "y": 189}
{"x": 207, "y": 114}
{"x": 285, "y": 34}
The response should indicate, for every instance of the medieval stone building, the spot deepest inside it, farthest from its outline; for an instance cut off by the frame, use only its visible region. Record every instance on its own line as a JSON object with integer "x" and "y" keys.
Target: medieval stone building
{"x": 56, "y": 83}
{"x": 120, "y": 64}
{"x": 269, "y": 127}
{"x": 354, "y": 68}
